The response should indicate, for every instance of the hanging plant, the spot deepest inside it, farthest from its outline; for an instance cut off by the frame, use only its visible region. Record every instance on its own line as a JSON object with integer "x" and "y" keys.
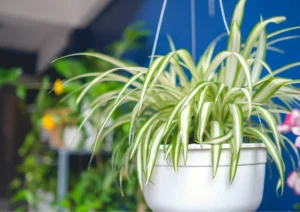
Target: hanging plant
{"x": 215, "y": 107}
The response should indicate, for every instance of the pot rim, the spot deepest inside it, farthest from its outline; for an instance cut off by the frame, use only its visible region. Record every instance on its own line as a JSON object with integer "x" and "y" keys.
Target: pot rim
{"x": 224, "y": 146}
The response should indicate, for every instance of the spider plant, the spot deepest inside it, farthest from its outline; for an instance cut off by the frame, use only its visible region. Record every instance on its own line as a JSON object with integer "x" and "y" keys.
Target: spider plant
{"x": 214, "y": 106}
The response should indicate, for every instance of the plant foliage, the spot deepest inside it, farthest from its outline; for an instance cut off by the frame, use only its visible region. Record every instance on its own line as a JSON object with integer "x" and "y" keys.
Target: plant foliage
{"x": 39, "y": 161}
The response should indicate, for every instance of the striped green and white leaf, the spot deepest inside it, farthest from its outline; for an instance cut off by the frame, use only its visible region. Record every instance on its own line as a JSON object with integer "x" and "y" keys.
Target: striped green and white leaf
{"x": 273, "y": 151}
{"x": 238, "y": 128}
{"x": 203, "y": 118}
{"x": 234, "y": 163}
{"x": 234, "y": 45}
{"x": 238, "y": 14}
{"x": 216, "y": 150}
{"x": 153, "y": 150}
{"x": 184, "y": 128}
{"x": 271, "y": 121}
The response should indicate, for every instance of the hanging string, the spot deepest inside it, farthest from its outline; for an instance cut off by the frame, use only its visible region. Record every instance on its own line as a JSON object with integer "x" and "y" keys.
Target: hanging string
{"x": 223, "y": 16}
{"x": 158, "y": 30}
{"x": 260, "y": 122}
{"x": 211, "y": 8}
{"x": 193, "y": 26}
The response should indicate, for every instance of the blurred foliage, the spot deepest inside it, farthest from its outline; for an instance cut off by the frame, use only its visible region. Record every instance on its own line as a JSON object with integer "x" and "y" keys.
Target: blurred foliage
{"x": 12, "y": 77}
{"x": 95, "y": 189}
{"x": 38, "y": 162}
{"x": 297, "y": 206}
{"x": 128, "y": 41}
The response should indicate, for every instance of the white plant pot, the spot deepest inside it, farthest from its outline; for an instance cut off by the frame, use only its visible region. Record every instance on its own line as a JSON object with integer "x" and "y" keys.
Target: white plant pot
{"x": 45, "y": 201}
{"x": 192, "y": 188}
{"x": 71, "y": 138}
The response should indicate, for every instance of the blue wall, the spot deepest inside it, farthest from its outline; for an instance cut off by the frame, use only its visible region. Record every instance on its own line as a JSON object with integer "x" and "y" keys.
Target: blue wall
{"x": 177, "y": 24}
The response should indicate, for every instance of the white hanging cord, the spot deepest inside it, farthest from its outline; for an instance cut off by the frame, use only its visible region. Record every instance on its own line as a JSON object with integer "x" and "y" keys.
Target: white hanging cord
{"x": 223, "y": 16}
{"x": 261, "y": 125}
{"x": 211, "y": 8}
{"x": 158, "y": 30}
{"x": 193, "y": 26}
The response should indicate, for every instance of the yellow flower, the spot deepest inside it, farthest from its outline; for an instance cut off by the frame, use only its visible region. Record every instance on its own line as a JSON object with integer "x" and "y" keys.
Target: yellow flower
{"x": 48, "y": 122}
{"x": 58, "y": 87}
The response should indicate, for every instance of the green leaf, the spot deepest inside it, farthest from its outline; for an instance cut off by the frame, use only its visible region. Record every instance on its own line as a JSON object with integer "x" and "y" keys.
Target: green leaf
{"x": 141, "y": 132}
{"x": 218, "y": 60}
{"x": 220, "y": 139}
{"x": 41, "y": 99}
{"x": 173, "y": 114}
{"x": 139, "y": 165}
{"x": 216, "y": 150}
{"x": 216, "y": 63}
{"x": 10, "y": 76}
{"x": 169, "y": 150}
{"x": 145, "y": 145}
{"x": 21, "y": 91}
{"x": 154, "y": 147}
{"x": 260, "y": 55}
{"x": 234, "y": 164}
{"x": 274, "y": 153}
{"x": 164, "y": 64}
{"x": 104, "y": 98}
{"x": 249, "y": 99}
{"x": 126, "y": 86}
{"x": 97, "y": 79}
{"x": 184, "y": 127}
{"x": 239, "y": 78}
{"x": 268, "y": 89}
{"x": 202, "y": 121}
{"x": 188, "y": 61}
{"x": 158, "y": 65}
{"x": 284, "y": 68}
{"x": 194, "y": 92}
{"x": 117, "y": 122}
{"x": 238, "y": 13}
{"x": 176, "y": 145}
{"x": 206, "y": 58}
{"x": 238, "y": 128}
{"x": 255, "y": 33}
{"x": 108, "y": 117}
{"x": 282, "y": 31}
{"x": 100, "y": 56}
{"x": 221, "y": 89}
{"x": 68, "y": 68}
{"x": 283, "y": 39}
{"x": 271, "y": 121}
{"x": 202, "y": 98}
{"x": 234, "y": 45}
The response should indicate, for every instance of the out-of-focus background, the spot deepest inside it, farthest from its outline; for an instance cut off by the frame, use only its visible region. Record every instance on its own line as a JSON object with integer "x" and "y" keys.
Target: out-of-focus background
{"x": 34, "y": 32}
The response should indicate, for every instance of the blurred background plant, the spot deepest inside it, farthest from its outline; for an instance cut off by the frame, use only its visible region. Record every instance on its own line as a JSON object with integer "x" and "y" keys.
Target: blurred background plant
{"x": 55, "y": 120}
{"x": 12, "y": 77}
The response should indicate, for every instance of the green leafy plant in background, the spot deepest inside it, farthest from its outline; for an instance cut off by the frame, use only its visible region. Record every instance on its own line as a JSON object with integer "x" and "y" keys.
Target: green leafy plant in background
{"x": 39, "y": 162}
{"x": 96, "y": 190}
{"x": 215, "y": 106}
{"x": 297, "y": 207}
{"x": 12, "y": 77}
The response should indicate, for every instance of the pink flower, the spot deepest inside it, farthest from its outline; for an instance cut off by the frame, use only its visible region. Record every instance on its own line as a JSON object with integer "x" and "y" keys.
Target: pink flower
{"x": 293, "y": 182}
{"x": 291, "y": 123}
{"x": 297, "y": 142}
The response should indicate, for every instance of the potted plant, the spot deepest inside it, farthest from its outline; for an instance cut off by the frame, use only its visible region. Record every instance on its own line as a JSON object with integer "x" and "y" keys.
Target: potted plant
{"x": 202, "y": 143}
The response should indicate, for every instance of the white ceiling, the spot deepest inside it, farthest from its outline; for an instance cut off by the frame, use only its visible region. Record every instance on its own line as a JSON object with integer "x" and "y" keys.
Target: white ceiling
{"x": 44, "y": 26}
